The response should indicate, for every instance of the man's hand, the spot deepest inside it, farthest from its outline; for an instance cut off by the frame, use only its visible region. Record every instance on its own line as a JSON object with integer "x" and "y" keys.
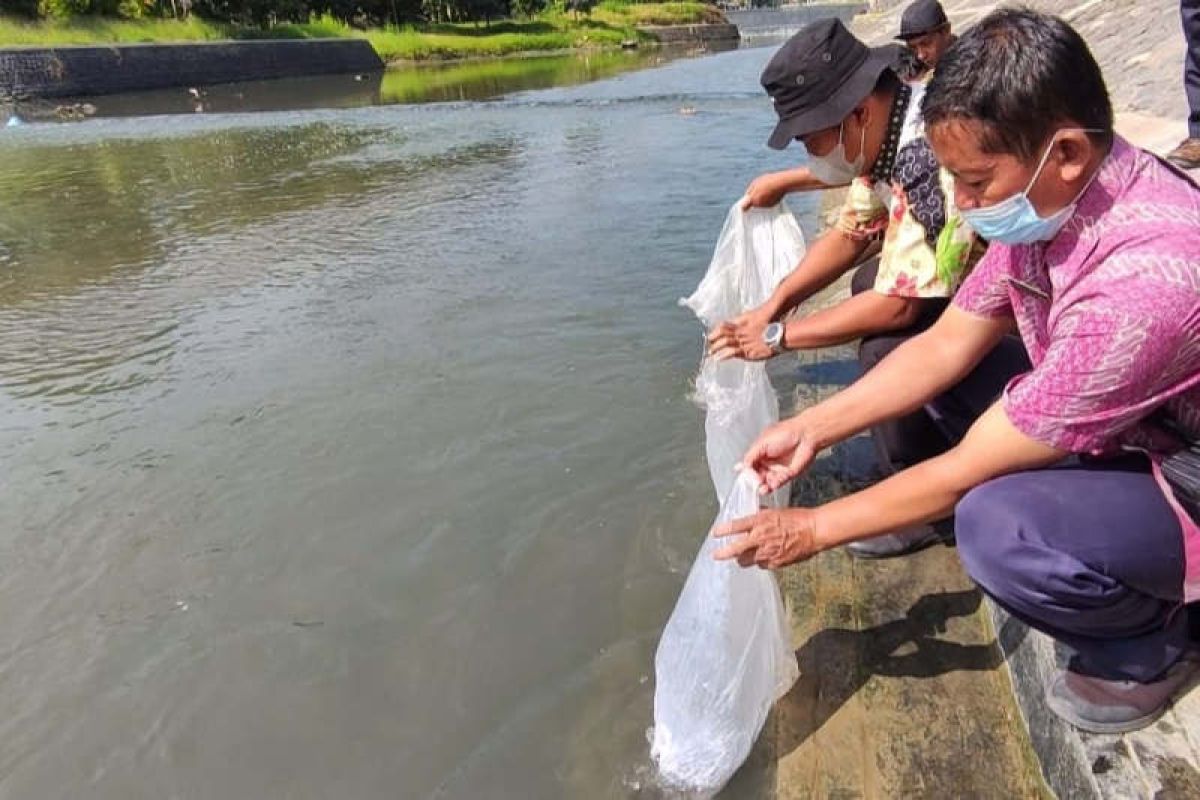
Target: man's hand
{"x": 780, "y": 453}
{"x": 773, "y": 538}
{"x": 767, "y": 190}
{"x": 740, "y": 337}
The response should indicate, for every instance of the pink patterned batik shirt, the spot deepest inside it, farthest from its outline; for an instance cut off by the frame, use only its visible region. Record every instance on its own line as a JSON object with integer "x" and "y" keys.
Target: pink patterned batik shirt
{"x": 1110, "y": 313}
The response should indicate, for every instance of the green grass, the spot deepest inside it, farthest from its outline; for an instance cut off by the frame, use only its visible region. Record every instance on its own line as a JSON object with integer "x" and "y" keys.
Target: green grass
{"x": 463, "y": 41}
{"x": 684, "y": 13}
{"x": 99, "y": 30}
{"x": 611, "y": 23}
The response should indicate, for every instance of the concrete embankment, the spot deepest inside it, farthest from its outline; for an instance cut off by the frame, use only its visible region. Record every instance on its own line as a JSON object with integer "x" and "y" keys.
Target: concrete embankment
{"x": 692, "y": 34}
{"x": 80, "y": 71}
{"x": 90, "y": 70}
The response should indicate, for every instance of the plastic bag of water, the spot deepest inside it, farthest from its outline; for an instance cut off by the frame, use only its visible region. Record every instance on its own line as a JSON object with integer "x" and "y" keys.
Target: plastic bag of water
{"x": 724, "y": 657}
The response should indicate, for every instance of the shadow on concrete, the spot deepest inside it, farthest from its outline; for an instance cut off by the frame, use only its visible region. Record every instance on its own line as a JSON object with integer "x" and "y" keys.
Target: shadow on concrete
{"x": 835, "y": 663}
{"x": 1012, "y": 633}
{"x": 829, "y": 373}
{"x": 847, "y": 467}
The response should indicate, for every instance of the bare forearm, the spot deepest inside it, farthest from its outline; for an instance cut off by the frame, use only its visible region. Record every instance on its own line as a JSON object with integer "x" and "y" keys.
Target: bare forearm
{"x": 930, "y": 490}
{"x": 861, "y": 315}
{"x": 921, "y": 493}
{"x": 801, "y": 180}
{"x": 911, "y": 375}
{"x": 828, "y": 258}
{"x": 775, "y": 538}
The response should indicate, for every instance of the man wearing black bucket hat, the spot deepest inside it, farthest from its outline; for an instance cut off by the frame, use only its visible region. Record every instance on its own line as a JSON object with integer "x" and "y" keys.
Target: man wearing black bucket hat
{"x": 769, "y": 188}
{"x": 925, "y": 30}
{"x": 861, "y": 125}
{"x": 926, "y": 34}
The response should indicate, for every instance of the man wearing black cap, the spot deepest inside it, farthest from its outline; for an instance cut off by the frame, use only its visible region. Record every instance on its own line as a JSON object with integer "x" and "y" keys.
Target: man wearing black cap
{"x": 861, "y": 125}
{"x": 769, "y": 188}
{"x": 926, "y": 31}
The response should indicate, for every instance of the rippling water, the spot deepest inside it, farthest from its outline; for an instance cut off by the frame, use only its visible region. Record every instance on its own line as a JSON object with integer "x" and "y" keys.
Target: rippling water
{"x": 347, "y": 453}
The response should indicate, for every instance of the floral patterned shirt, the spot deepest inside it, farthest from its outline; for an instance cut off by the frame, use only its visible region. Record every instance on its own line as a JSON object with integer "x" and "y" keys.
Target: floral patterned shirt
{"x": 927, "y": 249}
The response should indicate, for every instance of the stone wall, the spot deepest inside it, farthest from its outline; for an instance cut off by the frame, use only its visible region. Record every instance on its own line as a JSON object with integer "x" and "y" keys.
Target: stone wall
{"x": 80, "y": 71}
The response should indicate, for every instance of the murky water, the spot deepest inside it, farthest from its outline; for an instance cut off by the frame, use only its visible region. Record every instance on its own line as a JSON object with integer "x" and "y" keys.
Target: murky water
{"x": 346, "y": 452}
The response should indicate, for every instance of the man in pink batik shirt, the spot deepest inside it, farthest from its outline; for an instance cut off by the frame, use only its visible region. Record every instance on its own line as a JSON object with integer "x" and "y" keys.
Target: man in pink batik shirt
{"x": 1062, "y": 513}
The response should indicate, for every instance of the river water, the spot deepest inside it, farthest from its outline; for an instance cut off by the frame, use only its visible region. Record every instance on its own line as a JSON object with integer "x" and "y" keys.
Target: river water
{"x": 347, "y": 452}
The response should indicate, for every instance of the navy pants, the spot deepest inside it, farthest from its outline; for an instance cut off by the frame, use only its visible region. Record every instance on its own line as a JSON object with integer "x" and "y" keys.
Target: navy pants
{"x": 1189, "y": 10}
{"x": 1089, "y": 553}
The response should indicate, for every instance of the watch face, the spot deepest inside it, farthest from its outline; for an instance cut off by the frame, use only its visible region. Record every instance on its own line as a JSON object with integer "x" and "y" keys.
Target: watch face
{"x": 773, "y": 333}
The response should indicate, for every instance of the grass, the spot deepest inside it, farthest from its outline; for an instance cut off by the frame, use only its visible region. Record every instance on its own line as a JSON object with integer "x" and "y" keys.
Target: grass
{"x": 612, "y": 22}
{"x": 683, "y": 13}
{"x": 461, "y": 41}
{"x": 100, "y": 30}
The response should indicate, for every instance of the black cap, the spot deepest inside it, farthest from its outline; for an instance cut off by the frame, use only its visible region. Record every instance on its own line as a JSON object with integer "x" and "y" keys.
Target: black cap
{"x": 818, "y": 77}
{"x": 920, "y": 18}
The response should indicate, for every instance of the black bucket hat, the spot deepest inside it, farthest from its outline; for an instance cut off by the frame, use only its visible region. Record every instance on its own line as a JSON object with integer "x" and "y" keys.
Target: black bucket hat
{"x": 819, "y": 76}
{"x": 920, "y": 18}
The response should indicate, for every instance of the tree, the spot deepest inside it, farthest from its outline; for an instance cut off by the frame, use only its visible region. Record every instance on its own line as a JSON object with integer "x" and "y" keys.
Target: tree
{"x": 23, "y": 8}
{"x": 584, "y": 6}
{"x": 486, "y": 10}
{"x": 528, "y": 8}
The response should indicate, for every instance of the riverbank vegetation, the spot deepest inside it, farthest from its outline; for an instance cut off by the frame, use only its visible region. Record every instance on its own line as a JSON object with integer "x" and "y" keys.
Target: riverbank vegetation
{"x": 398, "y": 29}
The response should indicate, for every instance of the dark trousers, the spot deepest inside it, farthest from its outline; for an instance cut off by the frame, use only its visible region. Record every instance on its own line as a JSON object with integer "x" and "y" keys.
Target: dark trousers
{"x": 1189, "y": 10}
{"x": 928, "y": 432}
{"x": 1088, "y": 553}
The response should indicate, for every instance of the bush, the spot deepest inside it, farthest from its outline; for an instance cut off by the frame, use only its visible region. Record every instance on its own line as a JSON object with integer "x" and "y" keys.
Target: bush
{"x": 19, "y": 8}
{"x": 62, "y": 9}
{"x": 528, "y": 8}
{"x": 581, "y": 6}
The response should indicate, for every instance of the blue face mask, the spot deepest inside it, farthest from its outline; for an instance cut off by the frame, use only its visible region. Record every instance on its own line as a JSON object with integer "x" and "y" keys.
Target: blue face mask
{"x": 1014, "y": 220}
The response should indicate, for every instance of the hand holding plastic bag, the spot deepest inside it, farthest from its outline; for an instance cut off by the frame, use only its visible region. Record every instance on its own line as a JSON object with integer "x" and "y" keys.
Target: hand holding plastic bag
{"x": 771, "y": 538}
{"x": 755, "y": 251}
{"x": 725, "y": 657}
{"x": 723, "y": 660}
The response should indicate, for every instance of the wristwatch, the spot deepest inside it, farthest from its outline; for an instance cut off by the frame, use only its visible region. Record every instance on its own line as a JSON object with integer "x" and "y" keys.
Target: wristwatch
{"x": 773, "y": 337}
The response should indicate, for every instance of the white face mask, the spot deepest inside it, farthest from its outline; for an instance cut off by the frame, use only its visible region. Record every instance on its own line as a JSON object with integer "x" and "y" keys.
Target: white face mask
{"x": 833, "y": 169}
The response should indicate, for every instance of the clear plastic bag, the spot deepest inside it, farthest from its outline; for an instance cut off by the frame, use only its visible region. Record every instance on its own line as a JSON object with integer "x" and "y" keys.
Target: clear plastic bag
{"x": 724, "y": 657}
{"x": 755, "y": 251}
